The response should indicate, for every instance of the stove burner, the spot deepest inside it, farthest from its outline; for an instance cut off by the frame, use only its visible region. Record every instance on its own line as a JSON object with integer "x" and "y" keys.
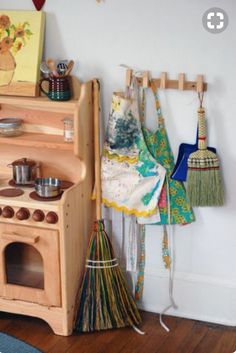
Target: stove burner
{"x": 65, "y": 184}
{"x": 13, "y": 183}
{"x": 33, "y": 195}
{"x": 11, "y": 192}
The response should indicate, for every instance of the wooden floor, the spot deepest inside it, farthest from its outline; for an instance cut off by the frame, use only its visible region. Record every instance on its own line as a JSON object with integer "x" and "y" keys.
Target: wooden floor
{"x": 186, "y": 336}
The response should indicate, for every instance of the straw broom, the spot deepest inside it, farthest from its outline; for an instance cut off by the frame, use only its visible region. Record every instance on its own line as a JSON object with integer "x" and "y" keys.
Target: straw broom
{"x": 104, "y": 300}
{"x": 204, "y": 186}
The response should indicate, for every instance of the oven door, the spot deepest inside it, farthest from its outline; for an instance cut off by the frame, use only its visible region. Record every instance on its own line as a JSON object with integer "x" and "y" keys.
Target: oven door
{"x": 30, "y": 269}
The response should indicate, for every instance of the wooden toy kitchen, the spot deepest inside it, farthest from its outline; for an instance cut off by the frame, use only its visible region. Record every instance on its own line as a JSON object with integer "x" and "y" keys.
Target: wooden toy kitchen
{"x": 43, "y": 241}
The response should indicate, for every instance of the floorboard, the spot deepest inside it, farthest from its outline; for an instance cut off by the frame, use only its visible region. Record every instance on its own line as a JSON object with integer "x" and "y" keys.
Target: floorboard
{"x": 185, "y": 336}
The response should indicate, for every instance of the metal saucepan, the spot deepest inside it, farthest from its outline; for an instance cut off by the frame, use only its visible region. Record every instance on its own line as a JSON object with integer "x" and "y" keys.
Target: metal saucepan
{"x": 47, "y": 187}
{"x": 24, "y": 171}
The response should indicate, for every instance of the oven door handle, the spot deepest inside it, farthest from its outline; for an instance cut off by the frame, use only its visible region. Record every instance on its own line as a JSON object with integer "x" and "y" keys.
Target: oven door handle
{"x": 29, "y": 239}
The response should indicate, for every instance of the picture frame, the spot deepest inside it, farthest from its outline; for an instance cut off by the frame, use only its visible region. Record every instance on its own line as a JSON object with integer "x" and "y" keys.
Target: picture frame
{"x": 21, "y": 46}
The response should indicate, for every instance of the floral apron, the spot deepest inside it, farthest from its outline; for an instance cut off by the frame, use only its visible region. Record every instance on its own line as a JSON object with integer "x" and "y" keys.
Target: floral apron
{"x": 131, "y": 178}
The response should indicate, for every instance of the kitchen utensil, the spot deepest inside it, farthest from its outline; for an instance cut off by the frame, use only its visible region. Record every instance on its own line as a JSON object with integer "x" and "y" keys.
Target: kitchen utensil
{"x": 62, "y": 67}
{"x": 48, "y": 187}
{"x": 44, "y": 68}
{"x": 58, "y": 88}
{"x": 69, "y": 67}
{"x": 51, "y": 63}
{"x": 181, "y": 167}
{"x": 103, "y": 279}
{"x": 10, "y": 127}
{"x": 24, "y": 171}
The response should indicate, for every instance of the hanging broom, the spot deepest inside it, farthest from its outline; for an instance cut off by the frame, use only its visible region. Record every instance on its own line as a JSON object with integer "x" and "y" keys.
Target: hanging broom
{"x": 204, "y": 186}
{"x": 104, "y": 300}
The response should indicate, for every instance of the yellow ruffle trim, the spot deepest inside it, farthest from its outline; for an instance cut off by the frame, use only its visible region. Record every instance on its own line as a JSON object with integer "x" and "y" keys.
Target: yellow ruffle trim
{"x": 128, "y": 211}
{"x": 118, "y": 158}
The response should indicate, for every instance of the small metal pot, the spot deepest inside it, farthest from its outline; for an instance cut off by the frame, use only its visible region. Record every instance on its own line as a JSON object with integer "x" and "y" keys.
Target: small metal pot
{"x": 48, "y": 187}
{"x": 24, "y": 171}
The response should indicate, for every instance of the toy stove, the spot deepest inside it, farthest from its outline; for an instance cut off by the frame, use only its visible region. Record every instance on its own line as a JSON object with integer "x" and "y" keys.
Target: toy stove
{"x": 29, "y": 244}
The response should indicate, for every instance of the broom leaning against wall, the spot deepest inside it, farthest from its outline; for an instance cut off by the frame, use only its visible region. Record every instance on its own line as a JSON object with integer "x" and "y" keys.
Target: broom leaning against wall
{"x": 104, "y": 300}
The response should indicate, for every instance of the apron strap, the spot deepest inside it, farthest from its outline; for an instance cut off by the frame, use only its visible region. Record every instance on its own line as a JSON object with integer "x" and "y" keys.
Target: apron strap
{"x": 141, "y": 265}
{"x": 160, "y": 119}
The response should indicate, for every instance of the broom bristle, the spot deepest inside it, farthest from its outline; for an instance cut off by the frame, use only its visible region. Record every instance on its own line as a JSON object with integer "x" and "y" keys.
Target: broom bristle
{"x": 204, "y": 186}
{"x": 105, "y": 301}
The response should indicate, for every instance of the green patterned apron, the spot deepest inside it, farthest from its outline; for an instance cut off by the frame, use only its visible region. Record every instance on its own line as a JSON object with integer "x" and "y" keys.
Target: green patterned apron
{"x": 174, "y": 206}
{"x": 173, "y": 195}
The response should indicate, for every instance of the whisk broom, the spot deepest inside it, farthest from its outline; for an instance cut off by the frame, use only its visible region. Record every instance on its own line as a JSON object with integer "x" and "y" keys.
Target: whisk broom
{"x": 104, "y": 300}
{"x": 204, "y": 184}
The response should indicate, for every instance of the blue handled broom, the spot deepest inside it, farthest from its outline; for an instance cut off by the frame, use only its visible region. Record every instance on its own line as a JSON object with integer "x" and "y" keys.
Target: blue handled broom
{"x": 204, "y": 186}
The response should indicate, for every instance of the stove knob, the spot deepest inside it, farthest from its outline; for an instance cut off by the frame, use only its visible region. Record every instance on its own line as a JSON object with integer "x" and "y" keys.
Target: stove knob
{"x": 0, "y": 211}
{"x": 51, "y": 217}
{"x": 38, "y": 216}
{"x": 22, "y": 214}
{"x": 8, "y": 212}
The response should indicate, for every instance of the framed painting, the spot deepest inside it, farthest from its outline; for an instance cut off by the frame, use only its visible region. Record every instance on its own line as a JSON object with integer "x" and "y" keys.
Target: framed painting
{"x": 21, "y": 46}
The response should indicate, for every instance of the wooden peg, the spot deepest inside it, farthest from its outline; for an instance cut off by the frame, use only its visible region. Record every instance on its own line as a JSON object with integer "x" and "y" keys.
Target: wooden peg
{"x": 163, "y": 80}
{"x": 181, "y": 81}
{"x": 145, "y": 79}
{"x": 129, "y": 73}
{"x": 200, "y": 84}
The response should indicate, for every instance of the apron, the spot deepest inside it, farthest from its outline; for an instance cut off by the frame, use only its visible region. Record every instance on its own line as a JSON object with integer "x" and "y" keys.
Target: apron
{"x": 174, "y": 205}
{"x": 131, "y": 178}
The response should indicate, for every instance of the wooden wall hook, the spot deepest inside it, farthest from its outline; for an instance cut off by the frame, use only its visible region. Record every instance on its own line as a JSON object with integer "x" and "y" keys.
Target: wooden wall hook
{"x": 200, "y": 83}
{"x": 145, "y": 79}
{"x": 163, "y": 80}
{"x": 128, "y": 80}
{"x": 181, "y": 81}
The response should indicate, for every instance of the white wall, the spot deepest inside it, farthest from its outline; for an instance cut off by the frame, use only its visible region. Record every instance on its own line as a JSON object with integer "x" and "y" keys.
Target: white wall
{"x": 165, "y": 35}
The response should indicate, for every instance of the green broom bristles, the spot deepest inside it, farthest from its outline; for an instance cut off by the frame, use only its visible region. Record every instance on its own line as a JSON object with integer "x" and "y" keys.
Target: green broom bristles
{"x": 104, "y": 300}
{"x": 204, "y": 186}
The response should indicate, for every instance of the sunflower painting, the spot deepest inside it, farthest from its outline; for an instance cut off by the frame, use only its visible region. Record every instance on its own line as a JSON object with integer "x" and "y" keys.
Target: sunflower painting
{"x": 21, "y": 44}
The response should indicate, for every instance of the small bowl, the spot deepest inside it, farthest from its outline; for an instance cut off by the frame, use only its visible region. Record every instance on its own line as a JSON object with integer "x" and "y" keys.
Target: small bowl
{"x": 10, "y": 127}
{"x": 48, "y": 187}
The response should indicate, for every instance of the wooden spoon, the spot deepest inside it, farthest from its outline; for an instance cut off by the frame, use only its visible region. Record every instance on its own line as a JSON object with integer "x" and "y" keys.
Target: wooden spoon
{"x": 69, "y": 67}
{"x": 52, "y": 66}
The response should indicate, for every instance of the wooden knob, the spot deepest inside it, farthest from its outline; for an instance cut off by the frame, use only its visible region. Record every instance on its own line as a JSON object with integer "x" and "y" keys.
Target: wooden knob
{"x": 38, "y": 216}
{"x": 22, "y": 214}
{"x": 51, "y": 217}
{"x": 8, "y": 212}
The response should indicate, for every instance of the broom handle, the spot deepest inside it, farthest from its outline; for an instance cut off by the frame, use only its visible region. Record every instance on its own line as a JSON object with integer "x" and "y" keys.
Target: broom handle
{"x": 96, "y": 112}
{"x": 202, "y": 138}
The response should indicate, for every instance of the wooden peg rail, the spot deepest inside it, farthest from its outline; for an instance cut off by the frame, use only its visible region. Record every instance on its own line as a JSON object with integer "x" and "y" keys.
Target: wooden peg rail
{"x": 164, "y": 83}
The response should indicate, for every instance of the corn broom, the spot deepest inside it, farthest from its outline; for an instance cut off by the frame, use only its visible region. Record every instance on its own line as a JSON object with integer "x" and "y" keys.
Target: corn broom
{"x": 104, "y": 299}
{"x": 204, "y": 184}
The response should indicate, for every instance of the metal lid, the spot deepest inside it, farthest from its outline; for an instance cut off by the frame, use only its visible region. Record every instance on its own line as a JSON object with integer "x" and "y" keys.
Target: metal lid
{"x": 68, "y": 120}
{"x": 24, "y": 161}
{"x": 10, "y": 122}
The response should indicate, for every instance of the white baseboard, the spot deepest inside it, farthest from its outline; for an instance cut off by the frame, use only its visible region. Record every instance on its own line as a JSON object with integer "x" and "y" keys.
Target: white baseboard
{"x": 198, "y": 297}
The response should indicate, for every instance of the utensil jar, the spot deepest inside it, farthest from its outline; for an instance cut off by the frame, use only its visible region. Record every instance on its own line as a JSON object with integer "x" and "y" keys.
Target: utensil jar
{"x": 58, "y": 88}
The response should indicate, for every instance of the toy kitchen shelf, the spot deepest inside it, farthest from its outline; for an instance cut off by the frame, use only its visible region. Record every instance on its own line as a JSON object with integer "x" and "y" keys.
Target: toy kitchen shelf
{"x": 48, "y": 241}
{"x": 41, "y": 136}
